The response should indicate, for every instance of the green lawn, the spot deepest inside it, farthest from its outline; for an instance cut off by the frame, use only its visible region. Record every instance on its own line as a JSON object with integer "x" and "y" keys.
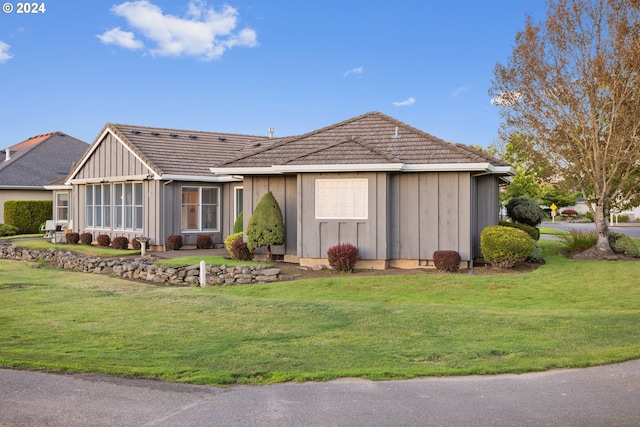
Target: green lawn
{"x": 564, "y": 314}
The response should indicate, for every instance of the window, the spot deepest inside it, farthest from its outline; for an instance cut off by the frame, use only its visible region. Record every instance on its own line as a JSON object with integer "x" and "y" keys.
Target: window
{"x": 341, "y": 198}
{"x": 238, "y": 194}
{"x": 200, "y": 208}
{"x": 62, "y": 206}
{"x": 128, "y": 206}
{"x": 98, "y": 206}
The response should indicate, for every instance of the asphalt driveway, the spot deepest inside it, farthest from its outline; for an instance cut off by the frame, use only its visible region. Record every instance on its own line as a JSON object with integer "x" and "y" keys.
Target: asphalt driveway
{"x": 599, "y": 396}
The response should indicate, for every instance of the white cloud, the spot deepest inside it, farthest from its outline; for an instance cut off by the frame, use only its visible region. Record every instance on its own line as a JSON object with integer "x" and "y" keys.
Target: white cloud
{"x": 409, "y": 101}
{"x": 4, "y": 52}
{"x": 120, "y": 38}
{"x": 459, "y": 91}
{"x": 203, "y": 33}
{"x": 357, "y": 70}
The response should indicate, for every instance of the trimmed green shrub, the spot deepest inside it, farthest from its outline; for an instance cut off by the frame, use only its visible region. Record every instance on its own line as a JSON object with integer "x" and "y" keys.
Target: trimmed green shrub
{"x": 622, "y": 218}
{"x": 240, "y": 250}
{"x": 343, "y": 257}
{"x": 204, "y": 242}
{"x": 8, "y": 230}
{"x": 578, "y": 240}
{"x": 27, "y": 215}
{"x": 174, "y": 242}
{"x": 534, "y": 232}
{"x": 505, "y": 247}
{"x": 447, "y": 261}
{"x": 86, "y": 238}
{"x": 72, "y": 238}
{"x": 266, "y": 226}
{"x": 536, "y": 255}
{"x": 623, "y": 244}
{"x": 228, "y": 242}
{"x": 525, "y": 211}
{"x": 120, "y": 242}
{"x": 239, "y": 224}
{"x": 103, "y": 240}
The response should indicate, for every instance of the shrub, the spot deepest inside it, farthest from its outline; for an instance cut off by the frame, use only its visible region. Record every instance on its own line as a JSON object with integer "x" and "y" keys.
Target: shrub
{"x": 174, "y": 242}
{"x": 622, "y": 218}
{"x": 239, "y": 224}
{"x": 266, "y": 226}
{"x": 72, "y": 238}
{"x": 27, "y": 215}
{"x": 86, "y": 238}
{"x": 589, "y": 216}
{"x": 120, "y": 242}
{"x": 103, "y": 240}
{"x": 240, "y": 250}
{"x": 343, "y": 257}
{"x": 536, "y": 255}
{"x": 569, "y": 212}
{"x": 447, "y": 260}
{"x": 505, "y": 247}
{"x": 204, "y": 242}
{"x": 8, "y": 230}
{"x": 578, "y": 240}
{"x": 534, "y": 232}
{"x": 623, "y": 244}
{"x": 228, "y": 242}
{"x": 525, "y": 211}
{"x": 135, "y": 244}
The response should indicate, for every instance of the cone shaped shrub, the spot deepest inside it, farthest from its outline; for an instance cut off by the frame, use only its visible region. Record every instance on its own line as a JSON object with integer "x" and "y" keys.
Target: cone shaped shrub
{"x": 266, "y": 226}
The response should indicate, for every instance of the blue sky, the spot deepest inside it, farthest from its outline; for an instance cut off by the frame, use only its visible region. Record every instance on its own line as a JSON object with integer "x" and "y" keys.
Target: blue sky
{"x": 246, "y": 65}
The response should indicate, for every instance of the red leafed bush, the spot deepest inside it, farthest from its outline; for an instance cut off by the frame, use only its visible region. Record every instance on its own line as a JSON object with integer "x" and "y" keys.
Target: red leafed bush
{"x": 569, "y": 212}
{"x": 240, "y": 250}
{"x": 120, "y": 242}
{"x": 103, "y": 240}
{"x": 135, "y": 244}
{"x": 204, "y": 242}
{"x": 174, "y": 242}
{"x": 343, "y": 257}
{"x": 447, "y": 260}
{"x": 86, "y": 238}
{"x": 72, "y": 238}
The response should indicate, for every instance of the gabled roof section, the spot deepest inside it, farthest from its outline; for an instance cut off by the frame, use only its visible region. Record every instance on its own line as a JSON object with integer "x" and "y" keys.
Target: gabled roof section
{"x": 39, "y": 160}
{"x": 369, "y": 139}
{"x": 172, "y": 153}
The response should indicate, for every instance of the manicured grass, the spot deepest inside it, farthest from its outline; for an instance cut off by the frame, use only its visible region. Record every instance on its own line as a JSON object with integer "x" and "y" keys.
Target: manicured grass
{"x": 551, "y": 231}
{"x": 43, "y": 244}
{"x": 564, "y": 314}
{"x": 209, "y": 260}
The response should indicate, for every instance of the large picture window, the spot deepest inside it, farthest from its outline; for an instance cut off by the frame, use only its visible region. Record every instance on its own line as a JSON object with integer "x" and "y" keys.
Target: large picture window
{"x": 98, "y": 206}
{"x": 128, "y": 206}
{"x": 200, "y": 208}
{"x": 342, "y": 198}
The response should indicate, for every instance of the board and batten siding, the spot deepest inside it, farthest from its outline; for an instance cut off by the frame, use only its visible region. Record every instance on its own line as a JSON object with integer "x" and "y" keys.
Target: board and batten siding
{"x": 487, "y": 198}
{"x": 111, "y": 159}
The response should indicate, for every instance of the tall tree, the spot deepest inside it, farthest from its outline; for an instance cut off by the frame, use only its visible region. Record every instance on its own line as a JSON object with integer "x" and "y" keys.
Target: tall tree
{"x": 572, "y": 88}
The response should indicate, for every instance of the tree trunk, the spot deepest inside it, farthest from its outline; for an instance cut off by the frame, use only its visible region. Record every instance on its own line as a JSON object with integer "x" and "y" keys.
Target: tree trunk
{"x": 268, "y": 253}
{"x": 602, "y": 247}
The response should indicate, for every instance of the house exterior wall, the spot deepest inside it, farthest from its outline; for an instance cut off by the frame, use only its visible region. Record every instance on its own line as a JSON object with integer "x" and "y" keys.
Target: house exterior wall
{"x": 487, "y": 208}
{"x": 22, "y": 195}
{"x": 111, "y": 159}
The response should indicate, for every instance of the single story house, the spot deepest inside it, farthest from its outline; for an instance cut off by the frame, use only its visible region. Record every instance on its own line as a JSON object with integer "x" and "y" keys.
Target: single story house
{"x": 29, "y": 166}
{"x": 395, "y": 192}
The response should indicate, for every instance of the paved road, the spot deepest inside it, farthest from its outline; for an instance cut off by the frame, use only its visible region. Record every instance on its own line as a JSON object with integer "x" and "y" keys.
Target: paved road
{"x": 600, "y": 396}
{"x": 631, "y": 230}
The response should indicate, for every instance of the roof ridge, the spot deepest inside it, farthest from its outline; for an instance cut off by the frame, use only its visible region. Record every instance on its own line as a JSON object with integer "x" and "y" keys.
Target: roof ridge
{"x": 187, "y": 130}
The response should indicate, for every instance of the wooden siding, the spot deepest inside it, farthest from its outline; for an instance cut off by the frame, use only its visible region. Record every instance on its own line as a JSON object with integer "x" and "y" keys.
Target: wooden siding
{"x": 111, "y": 159}
{"x": 487, "y": 202}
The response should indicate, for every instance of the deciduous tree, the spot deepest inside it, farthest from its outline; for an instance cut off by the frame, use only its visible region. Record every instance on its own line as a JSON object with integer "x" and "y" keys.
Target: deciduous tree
{"x": 572, "y": 88}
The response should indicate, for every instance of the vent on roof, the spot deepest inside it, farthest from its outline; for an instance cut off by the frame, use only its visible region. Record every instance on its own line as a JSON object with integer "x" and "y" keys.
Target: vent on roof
{"x": 7, "y": 153}
{"x": 137, "y": 132}
{"x": 270, "y": 132}
{"x": 173, "y": 135}
{"x": 155, "y": 133}
{"x": 396, "y": 135}
{"x": 257, "y": 144}
{"x": 222, "y": 138}
{"x": 193, "y": 136}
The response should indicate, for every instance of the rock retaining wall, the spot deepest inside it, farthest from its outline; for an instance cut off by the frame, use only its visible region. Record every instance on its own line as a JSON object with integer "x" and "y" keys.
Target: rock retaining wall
{"x": 140, "y": 268}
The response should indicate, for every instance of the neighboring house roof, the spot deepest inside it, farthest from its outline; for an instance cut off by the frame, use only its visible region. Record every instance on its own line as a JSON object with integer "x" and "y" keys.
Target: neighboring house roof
{"x": 39, "y": 160}
{"x": 173, "y": 153}
{"x": 372, "y": 141}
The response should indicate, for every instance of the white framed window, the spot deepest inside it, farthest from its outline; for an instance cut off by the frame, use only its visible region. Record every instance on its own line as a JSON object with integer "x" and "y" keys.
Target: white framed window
{"x": 342, "y": 198}
{"x": 200, "y": 209}
{"x": 98, "y": 205}
{"x": 62, "y": 206}
{"x": 128, "y": 206}
{"x": 238, "y": 193}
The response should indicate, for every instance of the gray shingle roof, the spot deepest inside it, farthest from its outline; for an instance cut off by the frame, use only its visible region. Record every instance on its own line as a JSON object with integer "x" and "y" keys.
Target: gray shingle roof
{"x": 371, "y": 138}
{"x": 40, "y": 160}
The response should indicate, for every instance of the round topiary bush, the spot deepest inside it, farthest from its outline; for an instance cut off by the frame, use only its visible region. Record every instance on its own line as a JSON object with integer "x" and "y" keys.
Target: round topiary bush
{"x": 174, "y": 242}
{"x": 86, "y": 238}
{"x": 525, "y": 211}
{"x": 228, "y": 242}
{"x": 623, "y": 244}
{"x": 534, "y": 232}
{"x": 120, "y": 242}
{"x": 447, "y": 261}
{"x": 343, "y": 257}
{"x": 72, "y": 238}
{"x": 103, "y": 240}
{"x": 204, "y": 242}
{"x": 241, "y": 251}
{"x": 505, "y": 247}
{"x": 135, "y": 244}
